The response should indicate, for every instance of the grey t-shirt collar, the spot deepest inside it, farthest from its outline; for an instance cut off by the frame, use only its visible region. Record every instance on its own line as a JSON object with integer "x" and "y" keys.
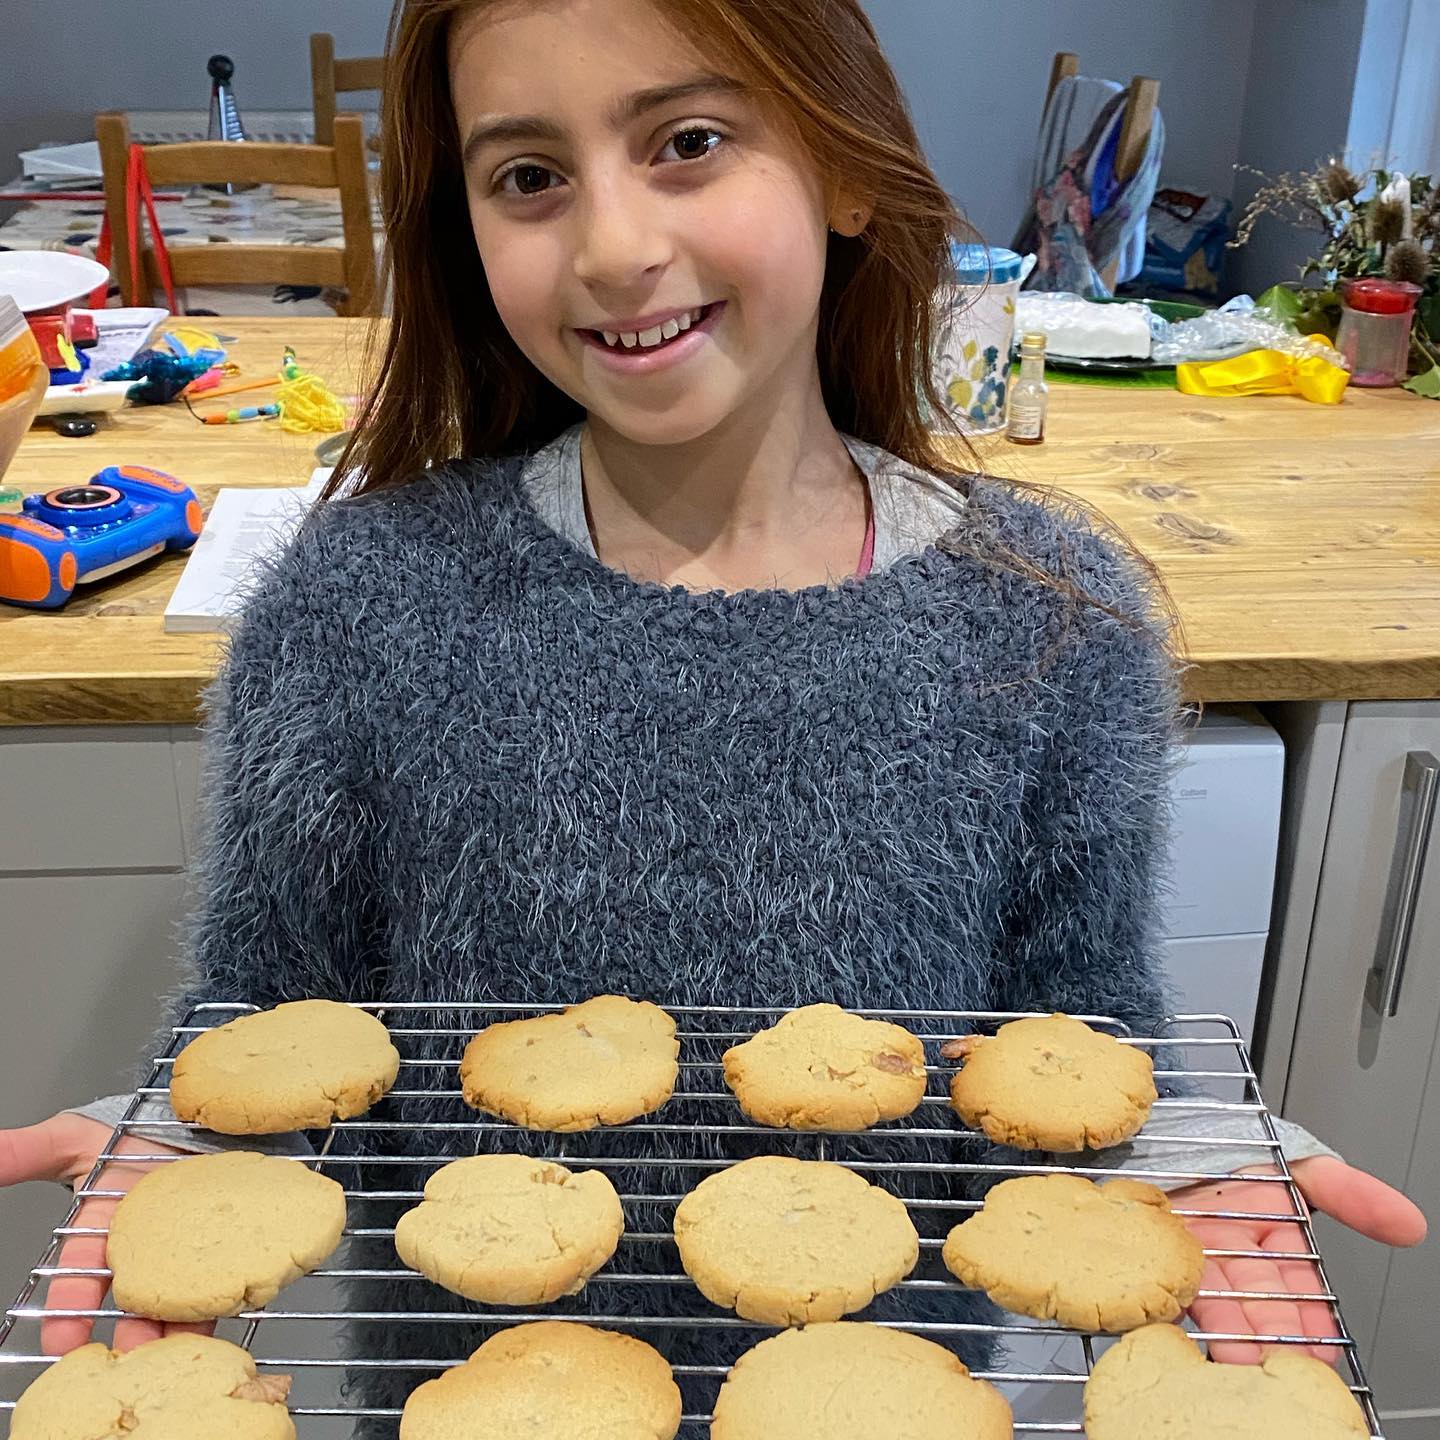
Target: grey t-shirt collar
{"x": 912, "y": 507}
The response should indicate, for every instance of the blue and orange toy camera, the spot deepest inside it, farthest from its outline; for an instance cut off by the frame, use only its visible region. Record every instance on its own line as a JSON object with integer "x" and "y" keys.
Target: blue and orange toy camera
{"x": 81, "y": 533}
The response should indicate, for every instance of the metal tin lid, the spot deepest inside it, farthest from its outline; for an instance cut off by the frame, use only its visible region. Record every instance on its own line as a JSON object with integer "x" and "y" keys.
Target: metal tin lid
{"x": 982, "y": 264}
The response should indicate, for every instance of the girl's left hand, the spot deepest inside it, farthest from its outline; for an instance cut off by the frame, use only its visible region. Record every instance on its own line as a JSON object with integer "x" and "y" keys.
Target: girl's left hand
{"x": 1339, "y": 1190}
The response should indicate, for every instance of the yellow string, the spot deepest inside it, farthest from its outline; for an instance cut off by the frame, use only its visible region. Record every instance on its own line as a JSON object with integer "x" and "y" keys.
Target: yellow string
{"x": 307, "y": 404}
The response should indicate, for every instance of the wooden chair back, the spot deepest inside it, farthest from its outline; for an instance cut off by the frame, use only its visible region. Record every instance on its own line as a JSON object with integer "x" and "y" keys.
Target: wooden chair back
{"x": 1141, "y": 101}
{"x": 330, "y": 77}
{"x": 340, "y": 166}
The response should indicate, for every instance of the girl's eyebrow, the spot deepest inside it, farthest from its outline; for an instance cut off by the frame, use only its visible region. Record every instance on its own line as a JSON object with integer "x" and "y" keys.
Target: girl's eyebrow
{"x": 508, "y": 129}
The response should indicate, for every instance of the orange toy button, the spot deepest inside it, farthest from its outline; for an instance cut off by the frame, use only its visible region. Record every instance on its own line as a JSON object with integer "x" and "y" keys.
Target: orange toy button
{"x": 30, "y": 527}
{"x": 194, "y": 517}
{"x": 67, "y": 570}
{"x": 24, "y": 575}
{"x": 151, "y": 477}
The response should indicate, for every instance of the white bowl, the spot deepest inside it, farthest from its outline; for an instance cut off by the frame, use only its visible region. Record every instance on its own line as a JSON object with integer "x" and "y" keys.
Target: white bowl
{"x": 43, "y": 279}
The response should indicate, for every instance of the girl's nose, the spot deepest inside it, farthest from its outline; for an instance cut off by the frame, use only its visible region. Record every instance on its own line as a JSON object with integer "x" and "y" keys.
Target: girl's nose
{"x": 620, "y": 238}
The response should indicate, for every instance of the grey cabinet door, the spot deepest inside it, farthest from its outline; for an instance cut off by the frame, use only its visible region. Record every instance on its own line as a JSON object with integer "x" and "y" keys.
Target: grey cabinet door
{"x": 1365, "y": 1079}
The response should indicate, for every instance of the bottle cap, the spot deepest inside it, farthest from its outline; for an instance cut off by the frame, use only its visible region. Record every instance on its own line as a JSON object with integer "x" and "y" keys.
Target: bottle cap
{"x": 1033, "y": 340}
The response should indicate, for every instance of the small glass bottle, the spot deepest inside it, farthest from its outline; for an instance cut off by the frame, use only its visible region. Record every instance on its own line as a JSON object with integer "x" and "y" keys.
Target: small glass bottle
{"x": 1030, "y": 395}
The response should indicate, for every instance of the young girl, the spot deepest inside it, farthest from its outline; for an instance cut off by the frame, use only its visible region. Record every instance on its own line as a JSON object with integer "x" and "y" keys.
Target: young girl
{"x": 662, "y": 650}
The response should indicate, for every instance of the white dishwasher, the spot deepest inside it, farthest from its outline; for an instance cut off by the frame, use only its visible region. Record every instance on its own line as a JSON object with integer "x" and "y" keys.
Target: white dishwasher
{"x": 1221, "y": 871}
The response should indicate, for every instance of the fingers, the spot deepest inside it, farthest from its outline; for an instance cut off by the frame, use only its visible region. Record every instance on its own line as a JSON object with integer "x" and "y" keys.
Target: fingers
{"x": 133, "y": 1330}
{"x": 1360, "y": 1200}
{"x": 1237, "y": 1315}
{"x": 1301, "y": 1277}
{"x": 73, "y": 1292}
{"x": 61, "y": 1334}
{"x": 50, "y": 1150}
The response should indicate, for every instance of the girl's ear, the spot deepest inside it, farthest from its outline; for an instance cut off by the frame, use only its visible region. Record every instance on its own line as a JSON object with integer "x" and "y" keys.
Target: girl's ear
{"x": 849, "y": 215}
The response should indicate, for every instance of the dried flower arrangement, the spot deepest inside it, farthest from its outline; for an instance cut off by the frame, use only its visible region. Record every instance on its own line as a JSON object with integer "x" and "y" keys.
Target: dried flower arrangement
{"x": 1371, "y": 223}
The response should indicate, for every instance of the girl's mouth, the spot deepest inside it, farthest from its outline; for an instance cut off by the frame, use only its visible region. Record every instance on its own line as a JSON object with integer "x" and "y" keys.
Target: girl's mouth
{"x": 658, "y": 347}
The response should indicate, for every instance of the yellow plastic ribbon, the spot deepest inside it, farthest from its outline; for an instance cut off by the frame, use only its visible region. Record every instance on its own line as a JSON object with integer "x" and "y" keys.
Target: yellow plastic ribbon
{"x": 1267, "y": 372}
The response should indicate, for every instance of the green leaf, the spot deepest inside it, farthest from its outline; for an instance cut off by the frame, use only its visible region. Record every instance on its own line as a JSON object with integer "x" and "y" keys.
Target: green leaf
{"x": 1427, "y": 384}
{"x": 1282, "y": 299}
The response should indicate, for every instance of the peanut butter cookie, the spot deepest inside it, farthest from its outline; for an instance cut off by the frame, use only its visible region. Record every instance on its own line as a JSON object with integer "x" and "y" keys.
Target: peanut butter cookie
{"x": 549, "y": 1378}
{"x": 851, "y": 1381}
{"x": 788, "y": 1242}
{"x": 822, "y": 1068}
{"x": 1157, "y": 1382}
{"x": 296, "y": 1067}
{"x": 1052, "y": 1083}
{"x": 1094, "y": 1257}
{"x": 605, "y": 1062}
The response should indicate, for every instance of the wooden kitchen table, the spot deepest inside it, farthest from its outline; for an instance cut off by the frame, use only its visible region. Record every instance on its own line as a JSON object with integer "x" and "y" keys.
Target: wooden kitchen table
{"x": 1301, "y": 543}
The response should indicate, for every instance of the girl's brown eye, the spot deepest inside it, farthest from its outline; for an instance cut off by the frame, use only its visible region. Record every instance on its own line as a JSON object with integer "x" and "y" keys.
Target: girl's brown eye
{"x": 531, "y": 179}
{"x": 695, "y": 143}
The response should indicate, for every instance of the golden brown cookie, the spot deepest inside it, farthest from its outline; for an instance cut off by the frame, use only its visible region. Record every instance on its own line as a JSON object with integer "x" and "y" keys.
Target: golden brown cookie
{"x": 822, "y": 1068}
{"x": 788, "y": 1242}
{"x": 169, "y": 1389}
{"x": 1155, "y": 1382}
{"x": 296, "y": 1067}
{"x": 1094, "y": 1257}
{"x": 1052, "y": 1083}
{"x": 601, "y": 1063}
{"x": 212, "y": 1235}
{"x": 549, "y": 1378}
{"x": 853, "y": 1381}
{"x": 509, "y": 1230}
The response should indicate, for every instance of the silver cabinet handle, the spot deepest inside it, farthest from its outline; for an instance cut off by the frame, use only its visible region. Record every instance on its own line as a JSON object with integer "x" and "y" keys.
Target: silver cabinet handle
{"x": 1418, "y": 795}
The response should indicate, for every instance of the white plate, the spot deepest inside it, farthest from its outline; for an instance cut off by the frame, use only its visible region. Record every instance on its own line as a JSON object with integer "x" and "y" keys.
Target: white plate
{"x": 43, "y": 279}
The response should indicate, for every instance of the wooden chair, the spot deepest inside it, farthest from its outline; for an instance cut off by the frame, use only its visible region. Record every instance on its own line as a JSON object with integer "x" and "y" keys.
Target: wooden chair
{"x": 330, "y": 77}
{"x": 1141, "y": 102}
{"x": 339, "y": 166}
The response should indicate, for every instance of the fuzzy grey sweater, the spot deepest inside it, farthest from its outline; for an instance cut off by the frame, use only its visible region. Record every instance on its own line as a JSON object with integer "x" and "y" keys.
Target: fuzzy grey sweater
{"x": 452, "y": 757}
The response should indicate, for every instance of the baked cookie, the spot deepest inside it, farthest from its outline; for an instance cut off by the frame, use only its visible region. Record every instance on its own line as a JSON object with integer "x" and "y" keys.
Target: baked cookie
{"x": 296, "y": 1067}
{"x": 509, "y": 1230}
{"x": 183, "y": 1385}
{"x": 212, "y": 1235}
{"x": 601, "y": 1063}
{"x": 1052, "y": 1083}
{"x": 1156, "y": 1382}
{"x": 788, "y": 1242}
{"x": 549, "y": 1378}
{"x": 822, "y": 1068}
{"x": 855, "y": 1382}
{"x": 1094, "y": 1257}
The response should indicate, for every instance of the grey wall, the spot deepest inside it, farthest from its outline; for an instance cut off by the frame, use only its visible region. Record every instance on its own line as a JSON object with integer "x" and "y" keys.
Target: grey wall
{"x": 150, "y": 55}
{"x": 977, "y": 84}
{"x": 1265, "y": 81}
{"x": 976, "y": 87}
{"x": 1303, "y": 67}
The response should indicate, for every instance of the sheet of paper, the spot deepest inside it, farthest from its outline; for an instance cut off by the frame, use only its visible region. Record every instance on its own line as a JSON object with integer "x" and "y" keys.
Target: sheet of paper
{"x": 243, "y": 528}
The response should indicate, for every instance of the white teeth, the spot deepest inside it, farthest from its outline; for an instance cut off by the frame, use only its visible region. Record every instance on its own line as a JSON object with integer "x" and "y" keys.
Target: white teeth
{"x": 657, "y": 335}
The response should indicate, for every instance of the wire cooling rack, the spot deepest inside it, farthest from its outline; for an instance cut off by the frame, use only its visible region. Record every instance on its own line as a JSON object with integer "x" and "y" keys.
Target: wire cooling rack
{"x": 355, "y": 1382}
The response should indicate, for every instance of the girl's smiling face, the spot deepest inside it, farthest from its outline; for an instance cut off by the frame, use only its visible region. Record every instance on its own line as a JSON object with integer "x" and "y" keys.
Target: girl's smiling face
{"x": 622, "y": 193}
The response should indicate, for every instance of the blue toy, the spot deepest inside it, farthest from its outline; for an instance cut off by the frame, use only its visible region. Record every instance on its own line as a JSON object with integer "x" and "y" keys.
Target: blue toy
{"x": 82, "y": 533}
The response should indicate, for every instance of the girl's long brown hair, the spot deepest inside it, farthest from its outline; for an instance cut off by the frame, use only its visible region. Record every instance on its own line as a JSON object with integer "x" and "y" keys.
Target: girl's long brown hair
{"x": 450, "y": 382}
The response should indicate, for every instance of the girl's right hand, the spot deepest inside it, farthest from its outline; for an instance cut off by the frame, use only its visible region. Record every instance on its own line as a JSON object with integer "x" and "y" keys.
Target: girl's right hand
{"x": 64, "y": 1148}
